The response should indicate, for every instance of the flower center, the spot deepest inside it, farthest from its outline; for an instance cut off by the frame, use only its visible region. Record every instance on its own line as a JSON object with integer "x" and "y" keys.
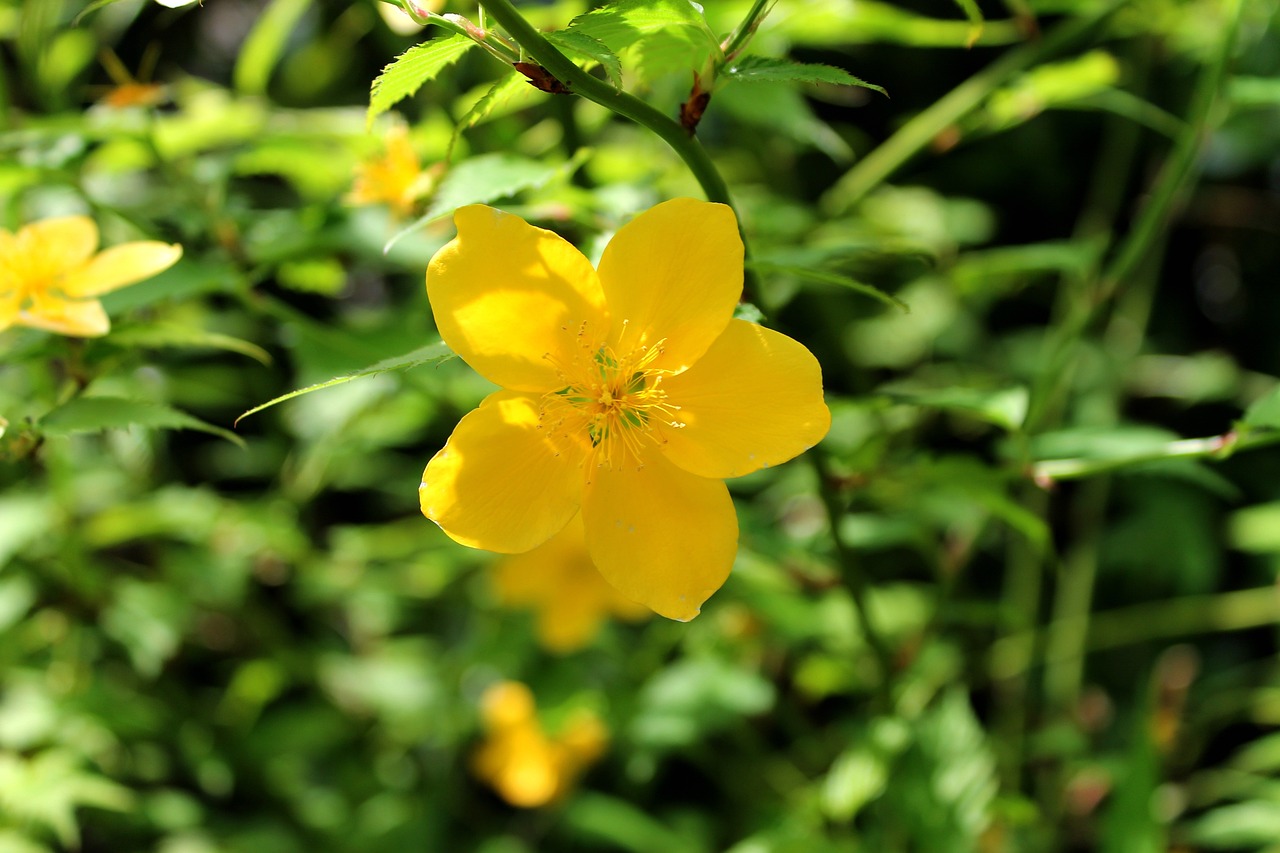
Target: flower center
{"x": 614, "y": 401}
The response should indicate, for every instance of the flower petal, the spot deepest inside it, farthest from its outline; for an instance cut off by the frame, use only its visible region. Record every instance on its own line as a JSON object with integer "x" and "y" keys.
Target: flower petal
{"x": 61, "y": 243}
{"x": 512, "y": 299}
{"x": 500, "y": 483}
{"x": 119, "y": 266}
{"x": 673, "y": 274}
{"x": 80, "y": 319}
{"x": 559, "y": 580}
{"x": 754, "y": 400}
{"x": 662, "y": 536}
{"x": 9, "y": 305}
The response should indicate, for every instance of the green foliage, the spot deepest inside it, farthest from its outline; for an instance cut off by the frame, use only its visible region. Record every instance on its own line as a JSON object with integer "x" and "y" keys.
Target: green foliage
{"x": 412, "y": 69}
{"x": 1020, "y": 598}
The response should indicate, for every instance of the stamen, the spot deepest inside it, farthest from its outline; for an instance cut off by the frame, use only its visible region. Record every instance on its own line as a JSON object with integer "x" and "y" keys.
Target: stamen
{"x": 611, "y": 401}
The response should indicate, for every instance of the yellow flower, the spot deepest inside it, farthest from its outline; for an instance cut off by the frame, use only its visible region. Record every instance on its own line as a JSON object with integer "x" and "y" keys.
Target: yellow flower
{"x": 558, "y": 580}
{"x": 628, "y": 392}
{"x": 525, "y": 766}
{"x": 50, "y": 274}
{"x": 395, "y": 179}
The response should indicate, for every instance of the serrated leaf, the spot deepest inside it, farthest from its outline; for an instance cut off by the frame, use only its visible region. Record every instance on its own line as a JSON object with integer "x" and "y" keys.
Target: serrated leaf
{"x": 420, "y": 356}
{"x": 93, "y": 414}
{"x": 821, "y": 277}
{"x": 584, "y": 46}
{"x": 761, "y": 69}
{"x": 488, "y": 177}
{"x": 182, "y": 337}
{"x": 406, "y": 74}
{"x": 622, "y": 24}
{"x": 666, "y": 34}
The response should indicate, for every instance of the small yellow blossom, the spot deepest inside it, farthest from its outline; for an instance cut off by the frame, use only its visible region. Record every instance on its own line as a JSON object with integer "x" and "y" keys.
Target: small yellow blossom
{"x": 396, "y": 178}
{"x": 519, "y": 760}
{"x": 629, "y": 393}
{"x": 559, "y": 582}
{"x": 50, "y": 274}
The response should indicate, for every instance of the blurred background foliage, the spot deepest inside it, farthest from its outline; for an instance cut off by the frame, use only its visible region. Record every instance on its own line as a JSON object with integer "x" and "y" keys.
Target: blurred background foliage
{"x": 1022, "y": 598}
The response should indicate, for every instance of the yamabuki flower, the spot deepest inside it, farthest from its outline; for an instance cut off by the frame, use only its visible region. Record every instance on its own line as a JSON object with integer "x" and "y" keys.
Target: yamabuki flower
{"x": 51, "y": 274}
{"x": 560, "y": 583}
{"x": 628, "y": 393}
{"x": 525, "y": 765}
{"x": 396, "y": 178}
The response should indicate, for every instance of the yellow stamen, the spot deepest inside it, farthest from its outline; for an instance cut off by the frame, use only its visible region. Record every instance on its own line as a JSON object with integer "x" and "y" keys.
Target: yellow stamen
{"x": 613, "y": 402}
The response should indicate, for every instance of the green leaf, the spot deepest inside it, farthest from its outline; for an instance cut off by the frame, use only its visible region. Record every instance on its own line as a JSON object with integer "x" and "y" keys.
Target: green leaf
{"x": 185, "y": 337}
{"x": 423, "y": 355}
{"x": 1003, "y": 407}
{"x": 488, "y": 177}
{"x": 498, "y": 93}
{"x": 406, "y": 74}
{"x": 47, "y": 788}
{"x": 944, "y": 786}
{"x": 1265, "y": 411}
{"x": 622, "y": 24}
{"x": 92, "y": 7}
{"x": 92, "y": 414}
{"x": 623, "y": 825}
{"x": 1247, "y": 92}
{"x": 667, "y": 35}
{"x": 779, "y": 108}
{"x": 1250, "y": 825}
{"x": 820, "y": 277}
{"x": 265, "y": 45}
{"x": 762, "y": 69}
{"x": 577, "y": 43}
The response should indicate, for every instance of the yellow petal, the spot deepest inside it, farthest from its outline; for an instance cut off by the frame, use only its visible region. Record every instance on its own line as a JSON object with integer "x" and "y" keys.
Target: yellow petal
{"x": 559, "y": 581}
{"x": 500, "y": 483}
{"x": 514, "y": 300}
{"x": 61, "y": 243}
{"x": 673, "y": 274}
{"x": 507, "y": 704}
{"x": 120, "y": 266}
{"x": 80, "y": 319}
{"x": 9, "y": 304}
{"x": 754, "y": 400}
{"x": 662, "y": 536}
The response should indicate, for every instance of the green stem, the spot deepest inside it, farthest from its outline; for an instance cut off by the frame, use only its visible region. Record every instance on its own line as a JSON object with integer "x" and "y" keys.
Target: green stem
{"x": 602, "y": 93}
{"x": 1180, "y": 168}
{"x": 581, "y": 83}
{"x": 859, "y": 587}
{"x": 1212, "y": 447}
{"x": 745, "y": 30}
{"x": 1158, "y": 620}
{"x": 917, "y": 134}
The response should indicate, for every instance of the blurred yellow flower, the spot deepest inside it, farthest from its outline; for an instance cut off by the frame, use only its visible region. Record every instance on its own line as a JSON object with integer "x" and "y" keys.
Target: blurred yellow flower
{"x": 518, "y": 759}
{"x": 629, "y": 393}
{"x": 559, "y": 582}
{"x": 396, "y": 178}
{"x": 50, "y": 274}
